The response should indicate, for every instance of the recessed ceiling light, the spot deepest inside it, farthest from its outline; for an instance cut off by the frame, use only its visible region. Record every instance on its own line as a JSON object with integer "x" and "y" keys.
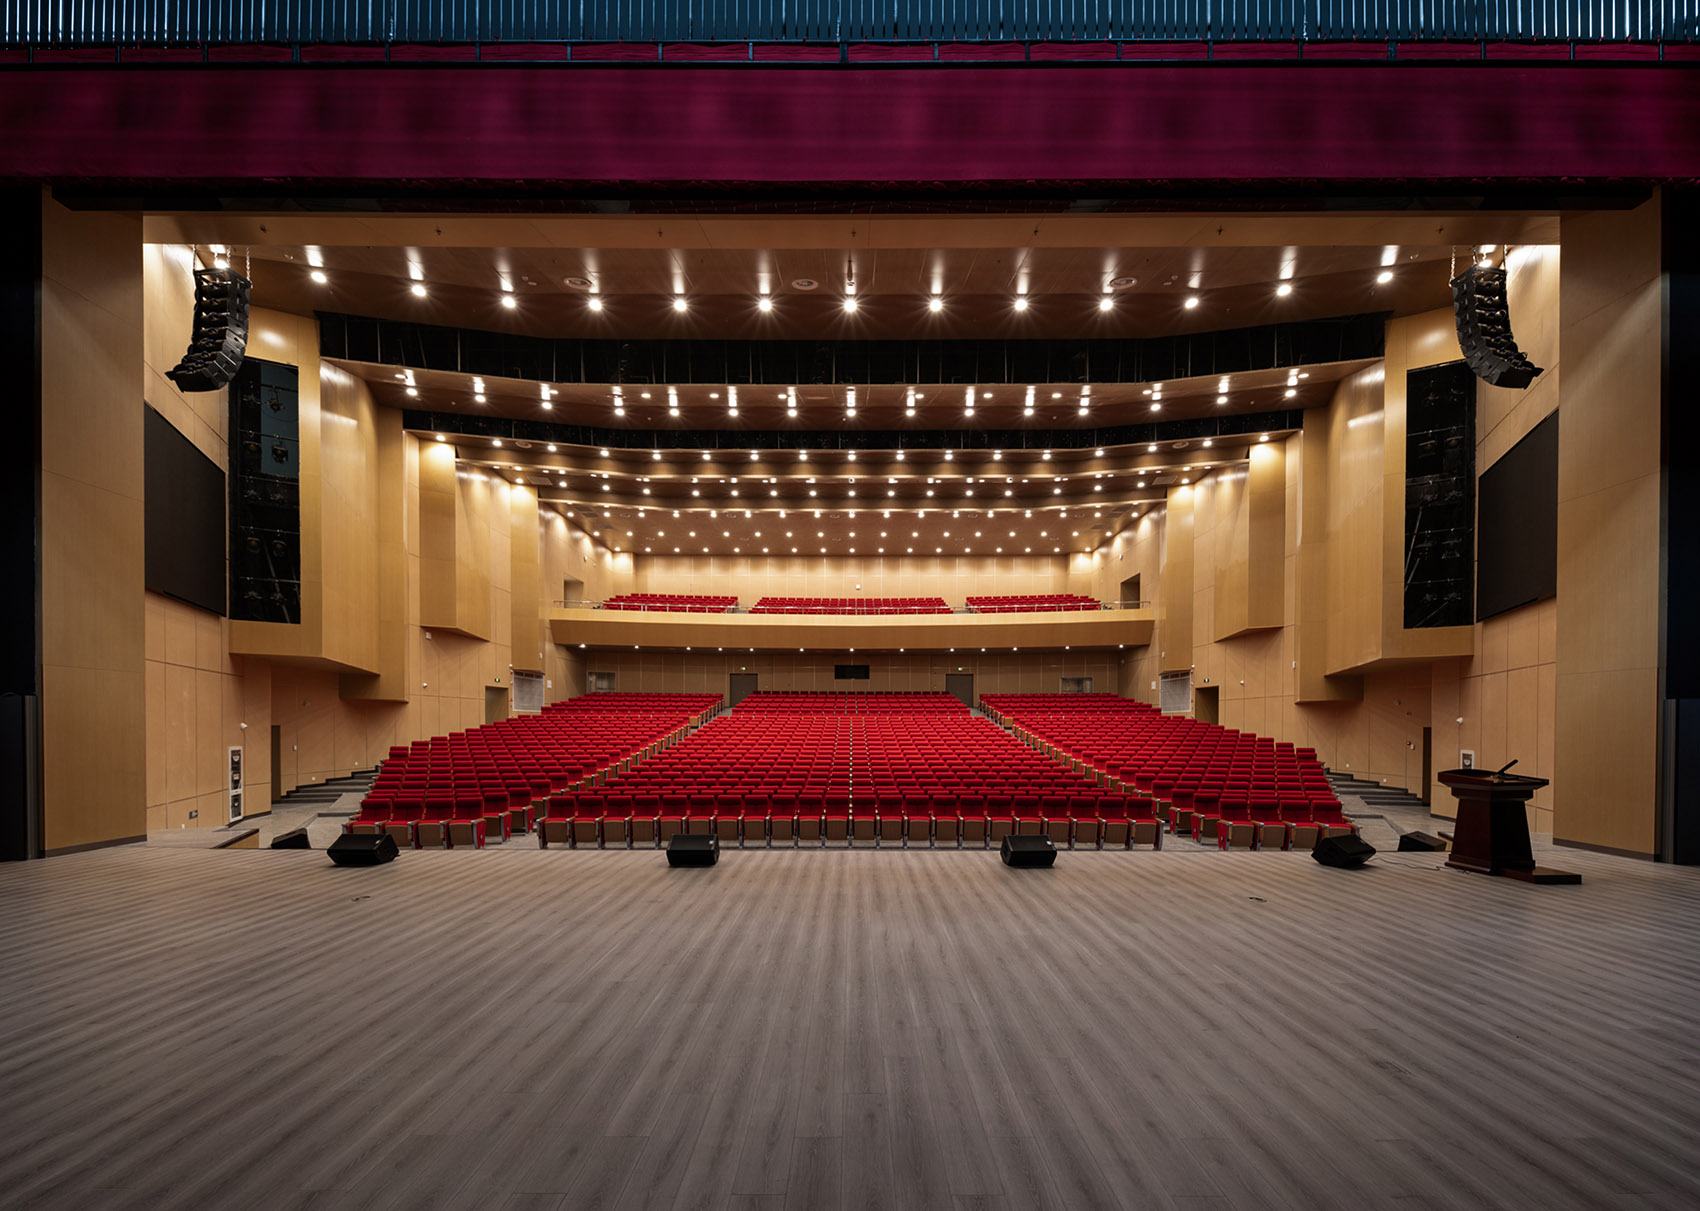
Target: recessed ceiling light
{"x": 804, "y": 283}
{"x": 509, "y": 301}
{"x": 935, "y": 304}
{"x": 578, "y": 283}
{"x": 419, "y": 289}
{"x": 1221, "y": 399}
{"x": 764, "y": 303}
{"x": 1105, "y": 303}
{"x": 1284, "y": 289}
{"x": 318, "y": 275}
{"x": 679, "y": 303}
{"x": 850, "y": 303}
{"x": 1191, "y": 301}
{"x": 1292, "y": 391}
{"x": 1021, "y": 302}
{"x": 595, "y": 302}
{"x": 1122, "y": 283}
{"x": 1384, "y": 277}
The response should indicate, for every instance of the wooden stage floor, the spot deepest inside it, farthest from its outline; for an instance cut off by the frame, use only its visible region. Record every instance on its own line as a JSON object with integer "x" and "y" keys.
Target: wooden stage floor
{"x": 857, "y": 1029}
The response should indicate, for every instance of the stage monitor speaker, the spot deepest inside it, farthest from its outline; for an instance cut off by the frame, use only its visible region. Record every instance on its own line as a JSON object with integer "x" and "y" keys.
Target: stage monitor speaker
{"x": 1343, "y": 851}
{"x": 295, "y": 838}
{"x": 1028, "y": 851}
{"x": 363, "y": 849}
{"x": 1483, "y": 318}
{"x": 220, "y": 337}
{"x": 1420, "y": 842}
{"x": 692, "y": 849}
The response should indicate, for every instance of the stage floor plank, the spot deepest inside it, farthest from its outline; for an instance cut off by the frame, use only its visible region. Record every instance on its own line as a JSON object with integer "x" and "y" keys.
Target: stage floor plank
{"x": 567, "y": 1030}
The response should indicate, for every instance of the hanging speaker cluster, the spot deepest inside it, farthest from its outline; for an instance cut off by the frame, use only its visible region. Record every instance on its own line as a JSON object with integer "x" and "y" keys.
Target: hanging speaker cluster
{"x": 1484, "y": 328}
{"x": 221, "y": 332}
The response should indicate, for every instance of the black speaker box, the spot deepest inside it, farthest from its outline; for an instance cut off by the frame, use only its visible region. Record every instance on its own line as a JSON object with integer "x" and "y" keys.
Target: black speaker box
{"x": 363, "y": 849}
{"x": 692, "y": 849}
{"x": 1028, "y": 851}
{"x": 295, "y": 838}
{"x": 1343, "y": 851}
{"x": 1420, "y": 842}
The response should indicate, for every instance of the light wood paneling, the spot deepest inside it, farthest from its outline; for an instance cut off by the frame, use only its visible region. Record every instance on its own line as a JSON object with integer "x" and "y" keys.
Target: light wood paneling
{"x": 93, "y": 628}
{"x": 906, "y": 672}
{"x": 1175, "y": 602}
{"x": 1609, "y": 517}
{"x": 525, "y": 591}
{"x": 621, "y": 628}
{"x": 395, "y": 507}
{"x": 349, "y": 469}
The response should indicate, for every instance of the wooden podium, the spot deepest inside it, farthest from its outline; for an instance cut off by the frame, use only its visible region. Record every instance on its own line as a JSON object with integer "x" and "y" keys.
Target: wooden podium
{"x": 1492, "y": 832}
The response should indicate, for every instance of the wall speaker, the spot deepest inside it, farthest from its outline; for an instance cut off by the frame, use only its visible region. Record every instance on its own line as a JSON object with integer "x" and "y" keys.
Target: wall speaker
{"x": 221, "y": 332}
{"x": 1343, "y": 851}
{"x": 692, "y": 849}
{"x": 1420, "y": 842}
{"x": 1484, "y": 329}
{"x": 1028, "y": 851}
{"x": 366, "y": 849}
{"x": 295, "y": 838}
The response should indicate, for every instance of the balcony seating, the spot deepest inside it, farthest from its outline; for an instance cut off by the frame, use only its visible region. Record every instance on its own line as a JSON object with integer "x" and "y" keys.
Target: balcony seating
{"x": 1033, "y": 602}
{"x": 472, "y": 787}
{"x": 851, "y": 605}
{"x": 1237, "y": 789}
{"x": 677, "y": 603}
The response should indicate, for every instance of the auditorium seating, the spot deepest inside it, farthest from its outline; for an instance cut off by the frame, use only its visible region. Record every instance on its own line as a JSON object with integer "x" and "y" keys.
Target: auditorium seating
{"x": 851, "y": 605}
{"x": 853, "y": 769}
{"x": 678, "y": 603}
{"x": 1239, "y": 790}
{"x": 1030, "y": 603}
{"x": 470, "y": 787}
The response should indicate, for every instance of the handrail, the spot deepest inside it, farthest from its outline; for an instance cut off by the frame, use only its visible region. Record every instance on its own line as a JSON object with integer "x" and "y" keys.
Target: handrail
{"x": 638, "y": 607}
{"x": 839, "y": 22}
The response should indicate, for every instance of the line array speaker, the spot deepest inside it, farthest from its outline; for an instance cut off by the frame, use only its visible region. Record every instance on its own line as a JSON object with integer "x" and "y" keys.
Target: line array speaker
{"x": 221, "y": 332}
{"x": 1484, "y": 328}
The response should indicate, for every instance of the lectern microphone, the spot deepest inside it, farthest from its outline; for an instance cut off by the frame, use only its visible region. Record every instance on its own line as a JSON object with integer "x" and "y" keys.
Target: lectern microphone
{"x": 1506, "y": 766}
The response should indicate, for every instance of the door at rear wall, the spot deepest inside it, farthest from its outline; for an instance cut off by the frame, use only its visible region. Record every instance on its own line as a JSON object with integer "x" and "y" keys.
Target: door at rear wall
{"x": 741, "y": 687}
{"x": 962, "y": 685}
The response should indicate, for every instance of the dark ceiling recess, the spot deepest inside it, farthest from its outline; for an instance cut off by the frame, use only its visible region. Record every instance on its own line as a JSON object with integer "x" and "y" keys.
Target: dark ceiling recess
{"x": 788, "y": 363}
{"x": 508, "y": 429}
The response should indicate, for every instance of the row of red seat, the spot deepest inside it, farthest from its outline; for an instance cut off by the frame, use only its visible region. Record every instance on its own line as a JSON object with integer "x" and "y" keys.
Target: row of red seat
{"x": 851, "y": 605}
{"x": 801, "y": 768}
{"x": 681, "y": 603}
{"x": 1238, "y": 789}
{"x": 1032, "y": 603}
{"x": 468, "y": 787}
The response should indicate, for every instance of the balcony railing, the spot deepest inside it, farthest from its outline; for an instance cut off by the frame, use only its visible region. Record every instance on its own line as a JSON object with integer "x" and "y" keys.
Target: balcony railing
{"x": 837, "y": 22}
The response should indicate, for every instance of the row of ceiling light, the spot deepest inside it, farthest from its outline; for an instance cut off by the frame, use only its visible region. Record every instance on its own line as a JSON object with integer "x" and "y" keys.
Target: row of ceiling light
{"x": 850, "y": 303}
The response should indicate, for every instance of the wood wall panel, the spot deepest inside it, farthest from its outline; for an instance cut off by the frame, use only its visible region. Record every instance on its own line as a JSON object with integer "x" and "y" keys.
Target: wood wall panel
{"x": 994, "y": 673}
{"x": 93, "y": 681}
{"x": 395, "y": 509}
{"x": 1175, "y": 600}
{"x": 1609, "y": 518}
{"x": 525, "y": 588}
